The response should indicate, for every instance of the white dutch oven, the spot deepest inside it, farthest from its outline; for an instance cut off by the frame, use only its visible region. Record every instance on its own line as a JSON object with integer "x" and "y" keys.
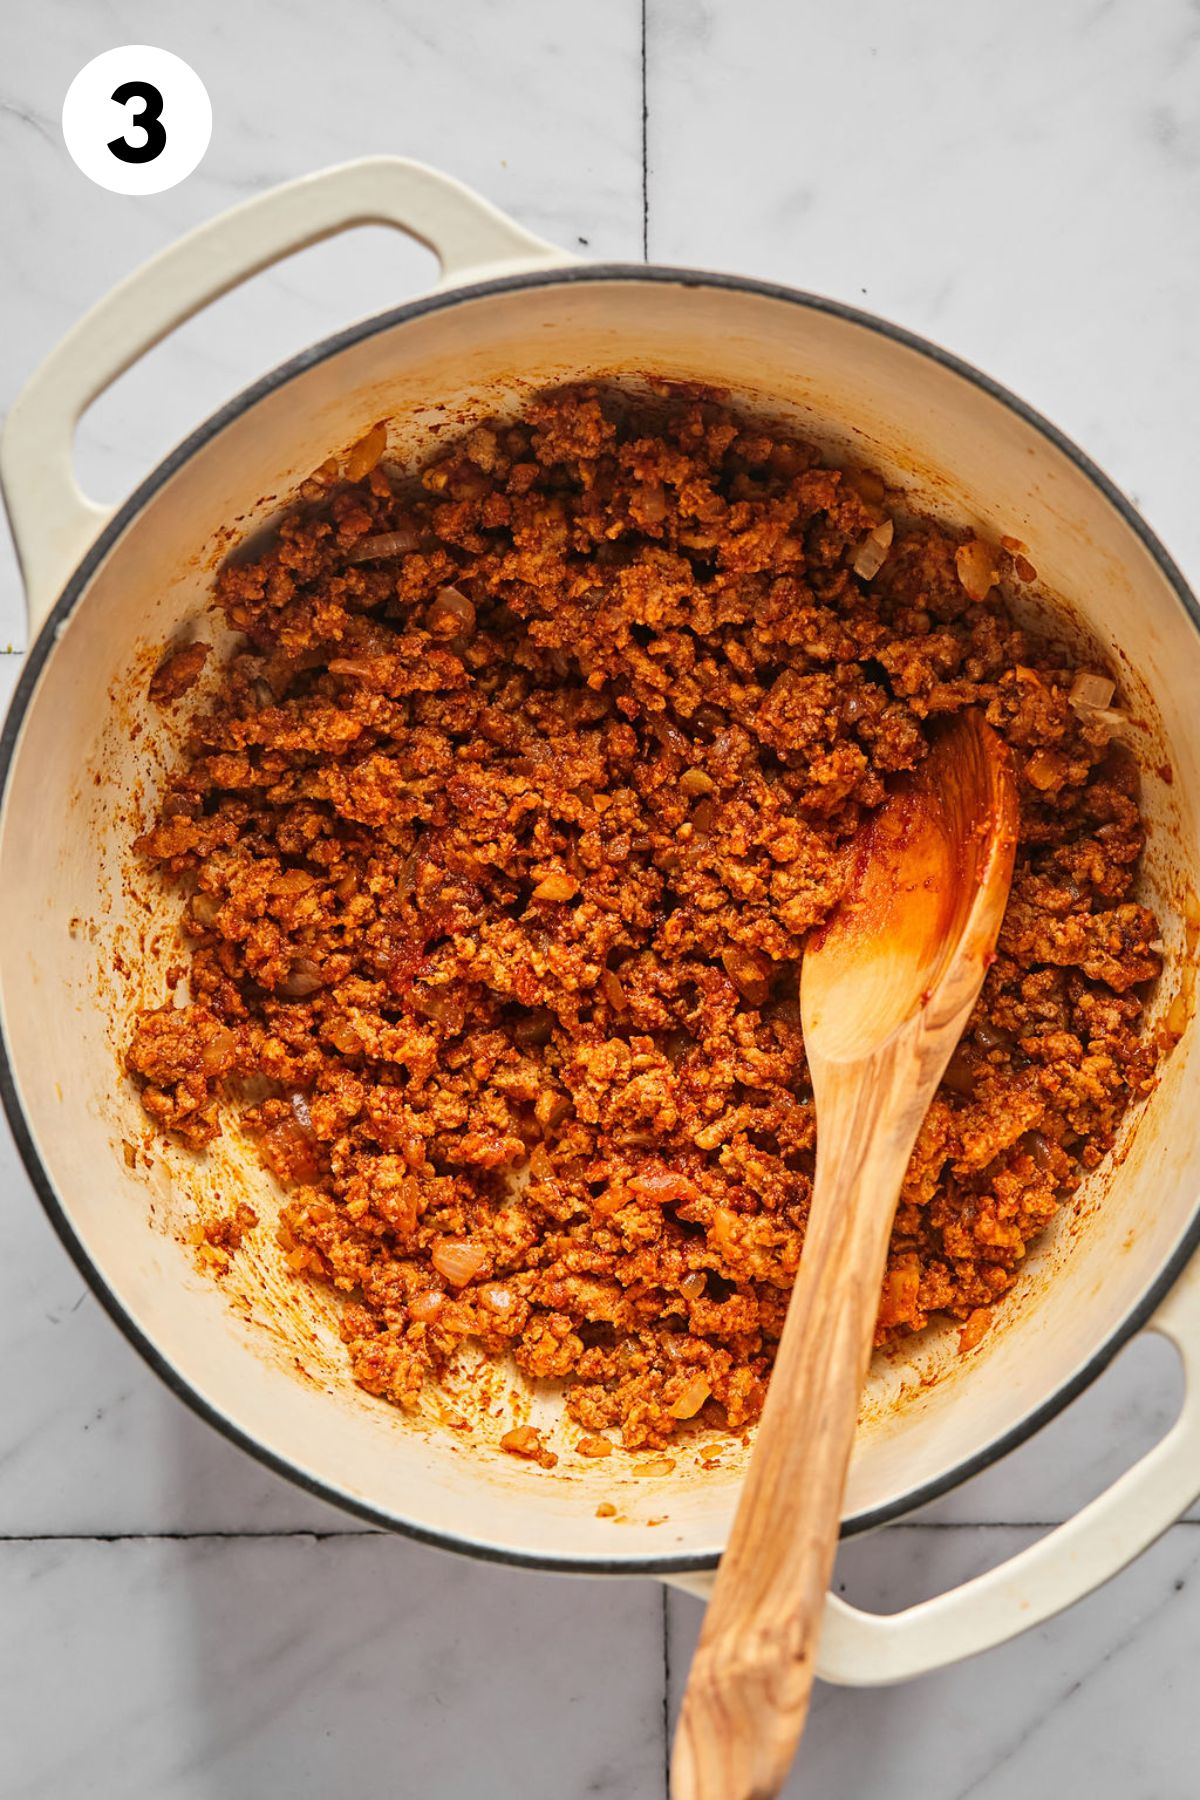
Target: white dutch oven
{"x": 260, "y": 1360}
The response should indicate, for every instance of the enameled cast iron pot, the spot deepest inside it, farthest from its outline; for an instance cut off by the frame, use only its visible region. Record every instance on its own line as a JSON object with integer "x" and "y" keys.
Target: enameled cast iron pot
{"x": 83, "y": 754}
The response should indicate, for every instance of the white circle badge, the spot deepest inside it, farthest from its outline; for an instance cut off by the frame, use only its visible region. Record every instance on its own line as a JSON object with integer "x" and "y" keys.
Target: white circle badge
{"x": 137, "y": 120}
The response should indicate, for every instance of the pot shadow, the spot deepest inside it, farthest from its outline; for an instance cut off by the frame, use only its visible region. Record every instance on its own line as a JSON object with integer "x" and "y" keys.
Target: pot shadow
{"x": 316, "y": 1661}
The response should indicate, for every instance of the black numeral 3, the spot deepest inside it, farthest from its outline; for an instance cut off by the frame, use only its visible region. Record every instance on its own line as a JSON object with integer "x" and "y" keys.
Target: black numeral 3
{"x": 147, "y": 119}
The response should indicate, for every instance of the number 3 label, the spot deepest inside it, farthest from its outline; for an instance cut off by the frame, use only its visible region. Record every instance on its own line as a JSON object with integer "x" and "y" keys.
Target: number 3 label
{"x": 137, "y": 120}
{"x": 148, "y": 120}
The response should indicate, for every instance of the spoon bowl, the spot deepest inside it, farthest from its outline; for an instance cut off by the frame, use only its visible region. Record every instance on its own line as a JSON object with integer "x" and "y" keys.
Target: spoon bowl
{"x": 915, "y": 915}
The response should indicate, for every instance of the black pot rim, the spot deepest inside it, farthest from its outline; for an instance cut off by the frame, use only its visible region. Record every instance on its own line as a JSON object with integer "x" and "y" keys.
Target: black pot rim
{"x": 39, "y": 652}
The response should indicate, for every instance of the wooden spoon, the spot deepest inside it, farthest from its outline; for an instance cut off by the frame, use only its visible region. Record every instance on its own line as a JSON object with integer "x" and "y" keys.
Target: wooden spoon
{"x": 886, "y": 988}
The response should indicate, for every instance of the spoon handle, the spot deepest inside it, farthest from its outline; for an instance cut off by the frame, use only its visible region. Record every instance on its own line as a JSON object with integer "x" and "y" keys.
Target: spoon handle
{"x": 748, "y": 1692}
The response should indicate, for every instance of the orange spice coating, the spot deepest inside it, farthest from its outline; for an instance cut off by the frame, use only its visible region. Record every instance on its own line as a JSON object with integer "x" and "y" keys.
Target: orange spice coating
{"x": 500, "y": 843}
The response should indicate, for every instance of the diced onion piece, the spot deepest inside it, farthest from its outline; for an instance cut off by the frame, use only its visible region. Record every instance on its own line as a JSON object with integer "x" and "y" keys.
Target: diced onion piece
{"x": 866, "y": 483}
{"x": 749, "y": 972}
{"x": 614, "y": 993}
{"x": 872, "y": 552}
{"x": 299, "y": 1105}
{"x": 695, "y": 781}
{"x": 450, "y": 614}
{"x": 432, "y": 1003}
{"x": 901, "y": 1288}
{"x": 384, "y": 543}
{"x": 302, "y": 979}
{"x": 1040, "y": 1149}
{"x": 556, "y": 887}
{"x": 219, "y": 1052}
{"x": 535, "y": 1027}
{"x": 1045, "y": 768}
{"x": 1178, "y": 1013}
{"x": 721, "y": 1229}
{"x": 975, "y": 1328}
{"x": 541, "y": 1163}
{"x": 959, "y": 1076}
{"x": 424, "y": 1308}
{"x": 1089, "y": 692}
{"x": 551, "y": 1108}
{"x": 692, "y": 1398}
{"x": 1023, "y": 569}
{"x": 205, "y": 908}
{"x": 693, "y": 1284}
{"x": 594, "y": 1446}
{"x": 662, "y": 1187}
{"x": 703, "y": 819}
{"x": 290, "y": 1151}
{"x": 496, "y": 1297}
{"x": 668, "y": 733}
{"x": 366, "y": 453}
{"x": 458, "y": 1260}
{"x": 649, "y": 504}
{"x": 343, "y": 1035}
{"x": 976, "y": 567}
{"x": 1090, "y": 696}
{"x": 1114, "y": 721}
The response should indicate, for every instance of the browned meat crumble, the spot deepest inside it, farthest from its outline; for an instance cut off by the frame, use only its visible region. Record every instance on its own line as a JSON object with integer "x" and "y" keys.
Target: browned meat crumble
{"x": 500, "y": 838}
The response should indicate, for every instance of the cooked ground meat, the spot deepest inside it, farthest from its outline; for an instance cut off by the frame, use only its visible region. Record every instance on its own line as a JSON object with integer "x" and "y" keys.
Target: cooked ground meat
{"x": 501, "y": 835}
{"x": 178, "y": 671}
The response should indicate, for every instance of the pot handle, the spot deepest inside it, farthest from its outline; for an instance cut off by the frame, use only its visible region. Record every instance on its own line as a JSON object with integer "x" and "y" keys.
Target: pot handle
{"x": 52, "y": 522}
{"x": 861, "y": 1649}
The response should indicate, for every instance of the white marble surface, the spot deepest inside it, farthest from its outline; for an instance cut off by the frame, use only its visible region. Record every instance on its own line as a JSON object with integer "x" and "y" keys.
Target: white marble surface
{"x": 1019, "y": 181}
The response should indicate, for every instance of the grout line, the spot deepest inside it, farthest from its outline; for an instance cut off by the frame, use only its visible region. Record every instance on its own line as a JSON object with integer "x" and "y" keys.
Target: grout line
{"x": 190, "y": 1537}
{"x": 666, "y": 1706}
{"x": 177, "y": 1537}
{"x": 645, "y": 149}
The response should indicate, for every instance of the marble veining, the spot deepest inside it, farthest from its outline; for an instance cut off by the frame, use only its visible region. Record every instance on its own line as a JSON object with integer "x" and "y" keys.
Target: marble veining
{"x": 322, "y": 1666}
{"x": 1023, "y": 184}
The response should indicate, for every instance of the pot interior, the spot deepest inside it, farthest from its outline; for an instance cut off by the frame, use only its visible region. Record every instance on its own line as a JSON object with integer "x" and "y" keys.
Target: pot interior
{"x": 88, "y": 938}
